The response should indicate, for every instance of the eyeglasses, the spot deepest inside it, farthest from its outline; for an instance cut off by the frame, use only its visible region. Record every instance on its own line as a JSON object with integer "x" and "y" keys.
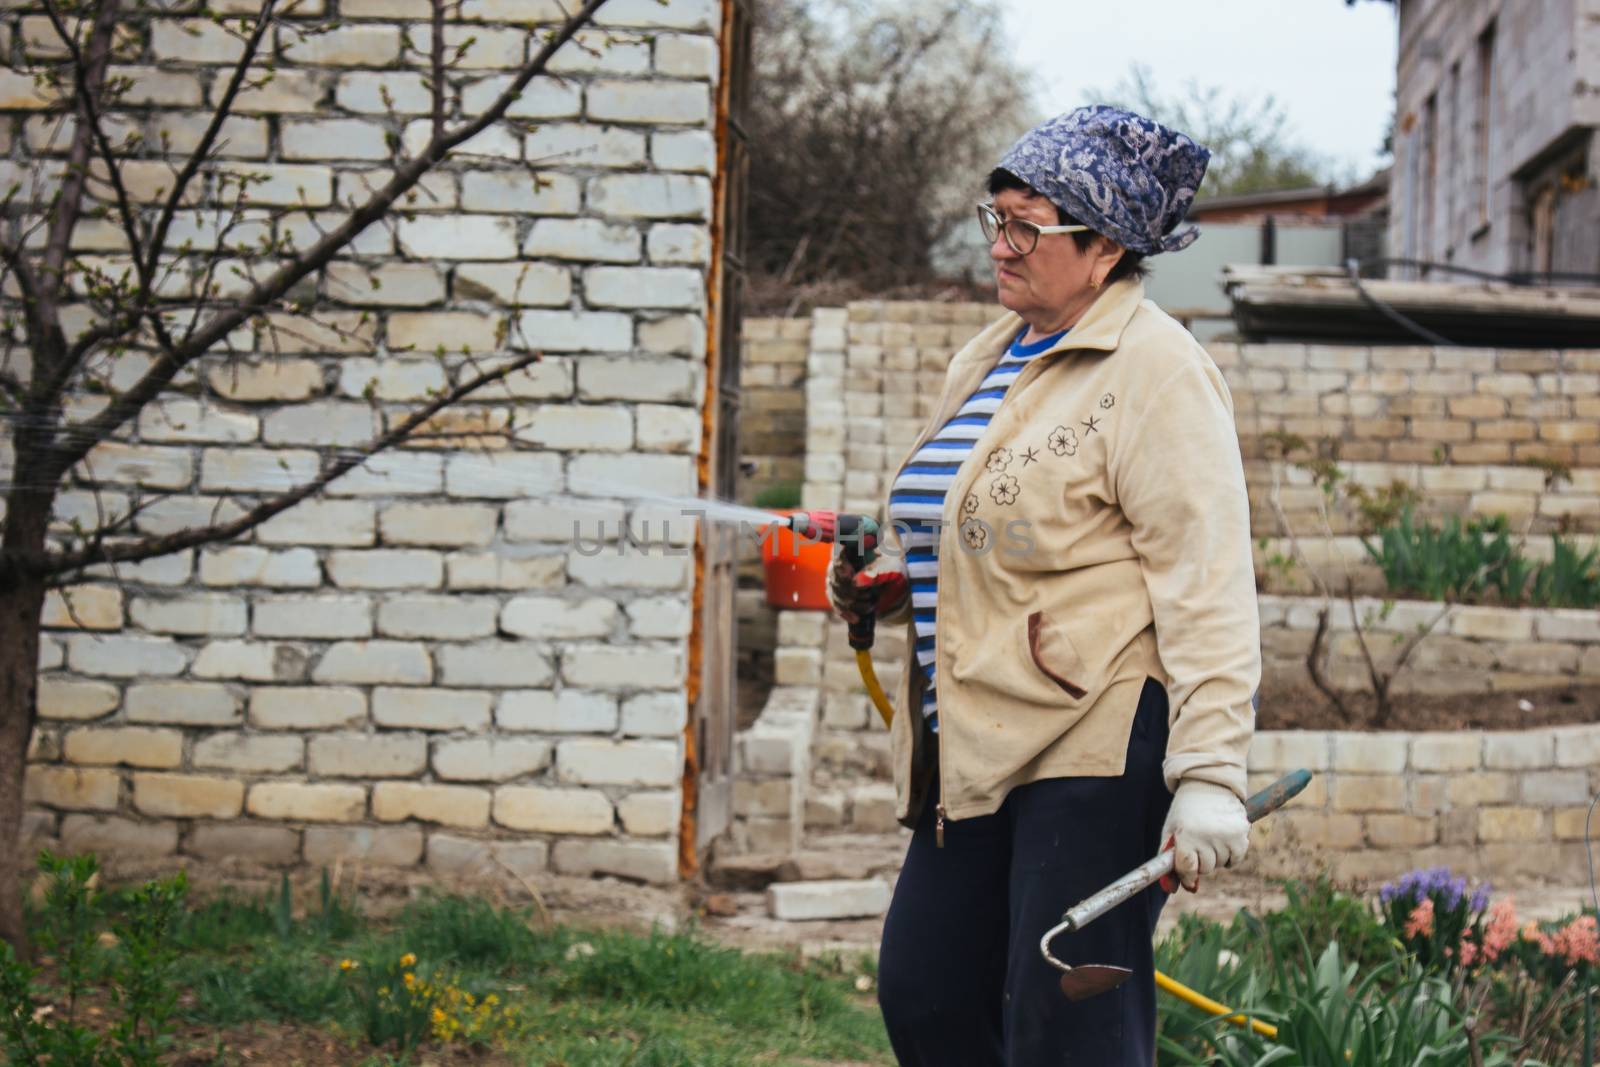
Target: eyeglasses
{"x": 1022, "y": 236}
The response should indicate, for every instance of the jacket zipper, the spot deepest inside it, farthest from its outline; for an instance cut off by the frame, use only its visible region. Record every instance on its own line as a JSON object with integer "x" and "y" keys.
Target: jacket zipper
{"x": 1029, "y": 372}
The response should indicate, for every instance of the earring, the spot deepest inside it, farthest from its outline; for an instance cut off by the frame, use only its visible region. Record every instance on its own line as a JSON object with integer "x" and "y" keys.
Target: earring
{"x": 1093, "y": 284}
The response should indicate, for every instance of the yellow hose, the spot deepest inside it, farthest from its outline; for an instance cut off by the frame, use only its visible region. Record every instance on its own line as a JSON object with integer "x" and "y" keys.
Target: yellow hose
{"x": 1205, "y": 1003}
{"x": 869, "y": 677}
{"x": 874, "y": 690}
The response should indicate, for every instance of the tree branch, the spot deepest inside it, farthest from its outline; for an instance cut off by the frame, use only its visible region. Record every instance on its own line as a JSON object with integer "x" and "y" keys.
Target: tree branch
{"x": 158, "y": 237}
{"x": 90, "y": 78}
{"x": 69, "y": 562}
{"x": 436, "y": 60}
{"x": 76, "y": 441}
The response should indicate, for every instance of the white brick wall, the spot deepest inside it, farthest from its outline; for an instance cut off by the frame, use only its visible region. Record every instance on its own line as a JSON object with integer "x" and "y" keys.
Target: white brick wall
{"x": 421, "y": 648}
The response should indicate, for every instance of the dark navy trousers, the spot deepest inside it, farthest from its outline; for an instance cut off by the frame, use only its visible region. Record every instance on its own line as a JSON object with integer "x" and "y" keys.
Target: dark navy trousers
{"x": 961, "y": 979}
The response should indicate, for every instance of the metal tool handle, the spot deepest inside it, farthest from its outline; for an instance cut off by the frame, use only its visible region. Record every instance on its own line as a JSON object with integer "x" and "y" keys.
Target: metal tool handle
{"x": 1148, "y": 874}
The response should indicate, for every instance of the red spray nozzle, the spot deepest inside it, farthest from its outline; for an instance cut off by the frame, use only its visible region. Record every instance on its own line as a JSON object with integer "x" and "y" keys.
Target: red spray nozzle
{"x": 857, "y": 533}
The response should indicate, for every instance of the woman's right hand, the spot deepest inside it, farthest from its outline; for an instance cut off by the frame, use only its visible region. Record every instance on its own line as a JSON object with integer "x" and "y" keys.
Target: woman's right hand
{"x": 880, "y": 588}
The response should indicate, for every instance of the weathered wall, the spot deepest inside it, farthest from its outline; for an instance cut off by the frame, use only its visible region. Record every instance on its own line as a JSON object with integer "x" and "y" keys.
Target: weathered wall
{"x": 1501, "y": 805}
{"x": 772, "y": 403}
{"x": 420, "y": 667}
{"x": 1466, "y": 200}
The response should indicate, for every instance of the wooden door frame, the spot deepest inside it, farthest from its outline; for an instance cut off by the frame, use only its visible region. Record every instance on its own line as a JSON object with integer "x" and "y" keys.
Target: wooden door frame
{"x": 734, "y": 68}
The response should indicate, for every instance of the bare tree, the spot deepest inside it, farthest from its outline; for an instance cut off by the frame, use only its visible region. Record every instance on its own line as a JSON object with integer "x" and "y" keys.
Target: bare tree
{"x": 872, "y": 128}
{"x": 92, "y": 339}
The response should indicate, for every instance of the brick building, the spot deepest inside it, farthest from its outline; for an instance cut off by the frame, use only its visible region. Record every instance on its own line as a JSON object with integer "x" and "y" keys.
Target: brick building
{"x": 1495, "y": 153}
{"x": 420, "y": 666}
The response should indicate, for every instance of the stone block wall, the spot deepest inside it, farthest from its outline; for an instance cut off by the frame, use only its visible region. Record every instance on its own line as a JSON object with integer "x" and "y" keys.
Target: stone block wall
{"x": 1468, "y": 649}
{"x": 420, "y": 666}
{"x": 772, "y": 404}
{"x": 1502, "y": 805}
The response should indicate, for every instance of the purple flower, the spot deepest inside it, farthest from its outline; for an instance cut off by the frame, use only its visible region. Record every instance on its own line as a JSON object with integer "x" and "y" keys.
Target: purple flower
{"x": 1480, "y": 897}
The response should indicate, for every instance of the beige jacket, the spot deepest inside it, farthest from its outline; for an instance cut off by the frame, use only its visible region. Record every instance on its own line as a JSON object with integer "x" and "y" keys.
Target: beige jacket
{"x": 1098, "y": 533}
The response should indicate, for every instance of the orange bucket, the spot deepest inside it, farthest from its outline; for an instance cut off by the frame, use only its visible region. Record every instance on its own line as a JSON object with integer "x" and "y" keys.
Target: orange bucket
{"x": 796, "y": 568}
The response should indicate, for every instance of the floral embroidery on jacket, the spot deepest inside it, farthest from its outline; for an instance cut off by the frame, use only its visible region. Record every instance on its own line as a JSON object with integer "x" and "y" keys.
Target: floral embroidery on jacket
{"x": 1004, "y": 490}
{"x": 1064, "y": 441}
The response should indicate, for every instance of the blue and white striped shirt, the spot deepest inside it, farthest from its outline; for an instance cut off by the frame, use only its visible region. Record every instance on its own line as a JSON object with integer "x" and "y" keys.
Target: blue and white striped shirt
{"x": 916, "y": 501}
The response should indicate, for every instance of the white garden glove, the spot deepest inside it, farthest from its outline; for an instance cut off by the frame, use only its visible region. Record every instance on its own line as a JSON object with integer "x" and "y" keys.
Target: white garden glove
{"x": 1206, "y": 827}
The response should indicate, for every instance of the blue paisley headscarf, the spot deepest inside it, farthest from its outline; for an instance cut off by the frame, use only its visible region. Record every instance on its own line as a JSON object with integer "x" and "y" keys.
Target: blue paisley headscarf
{"x": 1121, "y": 174}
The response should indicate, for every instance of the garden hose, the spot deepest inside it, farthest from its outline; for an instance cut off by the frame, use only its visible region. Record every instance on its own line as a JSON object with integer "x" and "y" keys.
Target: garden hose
{"x": 1205, "y": 1003}
{"x": 869, "y": 678}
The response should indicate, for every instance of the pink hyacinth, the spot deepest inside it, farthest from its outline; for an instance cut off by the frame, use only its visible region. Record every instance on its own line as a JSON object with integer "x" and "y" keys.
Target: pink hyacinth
{"x": 1421, "y": 921}
{"x": 1577, "y": 942}
{"x": 1500, "y": 929}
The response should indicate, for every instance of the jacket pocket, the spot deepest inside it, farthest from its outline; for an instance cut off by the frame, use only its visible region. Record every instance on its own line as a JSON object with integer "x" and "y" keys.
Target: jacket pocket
{"x": 1046, "y": 645}
{"x": 1030, "y": 661}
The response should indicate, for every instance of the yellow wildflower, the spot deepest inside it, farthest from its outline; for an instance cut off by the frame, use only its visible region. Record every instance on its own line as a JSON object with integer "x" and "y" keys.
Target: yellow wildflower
{"x": 408, "y": 960}
{"x": 347, "y": 965}
{"x": 409, "y": 979}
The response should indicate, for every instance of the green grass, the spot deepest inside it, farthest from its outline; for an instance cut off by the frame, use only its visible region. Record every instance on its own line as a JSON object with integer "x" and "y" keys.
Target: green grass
{"x": 582, "y": 997}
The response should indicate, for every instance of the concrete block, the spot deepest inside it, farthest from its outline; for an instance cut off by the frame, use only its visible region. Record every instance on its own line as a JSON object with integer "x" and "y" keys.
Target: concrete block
{"x": 109, "y": 835}
{"x": 76, "y": 701}
{"x": 489, "y": 759}
{"x": 182, "y": 704}
{"x": 71, "y": 788}
{"x": 491, "y": 570}
{"x": 1546, "y": 789}
{"x": 83, "y": 607}
{"x": 249, "y": 753}
{"x": 128, "y": 746}
{"x": 314, "y": 708}
{"x": 377, "y": 846}
{"x": 1577, "y": 746}
{"x": 460, "y": 806}
{"x": 188, "y": 796}
{"x": 551, "y": 617}
{"x": 498, "y": 664}
{"x": 431, "y": 709}
{"x": 306, "y": 617}
{"x": 653, "y": 666}
{"x": 255, "y": 661}
{"x": 205, "y": 613}
{"x": 1365, "y": 792}
{"x": 306, "y": 802}
{"x": 248, "y": 565}
{"x": 272, "y": 846}
{"x": 359, "y": 755}
{"x": 450, "y": 618}
{"x": 652, "y": 814}
{"x": 386, "y": 569}
{"x": 800, "y": 901}
{"x": 555, "y": 811}
{"x": 572, "y": 711}
{"x": 375, "y": 663}
{"x": 643, "y": 861}
{"x": 596, "y": 762}
{"x": 1531, "y": 750}
{"x": 1522, "y": 825}
{"x": 1369, "y": 753}
{"x": 122, "y": 656}
{"x": 654, "y": 715}
{"x": 1447, "y": 752}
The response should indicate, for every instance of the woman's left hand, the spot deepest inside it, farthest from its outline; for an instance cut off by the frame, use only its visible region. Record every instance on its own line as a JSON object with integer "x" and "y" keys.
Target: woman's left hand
{"x": 1208, "y": 827}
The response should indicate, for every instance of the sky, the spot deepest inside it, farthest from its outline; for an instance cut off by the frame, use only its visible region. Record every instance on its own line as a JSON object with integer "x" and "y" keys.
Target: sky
{"x": 1330, "y": 66}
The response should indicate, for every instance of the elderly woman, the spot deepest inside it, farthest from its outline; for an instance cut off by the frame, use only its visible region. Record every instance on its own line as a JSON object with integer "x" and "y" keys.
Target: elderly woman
{"x": 1074, "y": 533}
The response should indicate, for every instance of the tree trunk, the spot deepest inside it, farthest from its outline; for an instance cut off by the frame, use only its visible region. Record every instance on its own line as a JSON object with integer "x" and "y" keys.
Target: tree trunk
{"x": 21, "y": 605}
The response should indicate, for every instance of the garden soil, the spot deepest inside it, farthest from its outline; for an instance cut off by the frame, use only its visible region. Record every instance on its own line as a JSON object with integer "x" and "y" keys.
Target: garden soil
{"x": 1302, "y": 707}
